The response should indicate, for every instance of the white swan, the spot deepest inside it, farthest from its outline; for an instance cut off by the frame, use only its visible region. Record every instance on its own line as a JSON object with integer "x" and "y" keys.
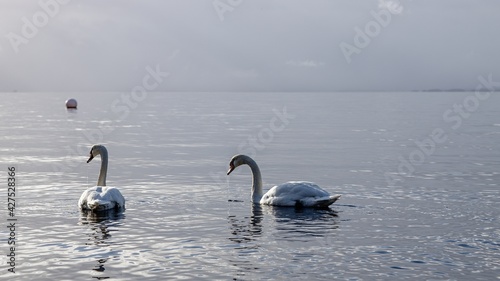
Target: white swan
{"x": 293, "y": 193}
{"x": 101, "y": 197}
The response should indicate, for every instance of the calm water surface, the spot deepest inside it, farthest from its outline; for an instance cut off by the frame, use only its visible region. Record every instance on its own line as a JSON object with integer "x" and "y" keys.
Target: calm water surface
{"x": 419, "y": 184}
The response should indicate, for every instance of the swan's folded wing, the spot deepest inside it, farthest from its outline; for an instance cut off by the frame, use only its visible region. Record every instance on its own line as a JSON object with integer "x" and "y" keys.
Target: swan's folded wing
{"x": 86, "y": 196}
{"x": 300, "y": 189}
{"x": 82, "y": 202}
{"x": 114, "y": 195}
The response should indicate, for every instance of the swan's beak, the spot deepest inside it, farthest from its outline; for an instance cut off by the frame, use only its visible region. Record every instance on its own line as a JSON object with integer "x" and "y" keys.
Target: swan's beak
{"x": 231, "y": 168}
{"x": 91, "y": 157}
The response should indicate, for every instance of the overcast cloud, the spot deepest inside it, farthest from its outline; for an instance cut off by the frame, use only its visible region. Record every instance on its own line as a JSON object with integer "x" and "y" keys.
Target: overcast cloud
{"x": 248, "y": 45}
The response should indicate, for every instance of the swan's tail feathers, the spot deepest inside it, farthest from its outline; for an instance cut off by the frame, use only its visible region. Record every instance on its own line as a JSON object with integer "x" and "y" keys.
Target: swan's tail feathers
{"x": 100, "y": 205}
{"x": 327, "y": 201}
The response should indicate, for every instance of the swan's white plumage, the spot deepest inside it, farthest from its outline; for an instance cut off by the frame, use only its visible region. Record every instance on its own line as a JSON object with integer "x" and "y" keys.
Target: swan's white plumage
{"x": 293, "y": 193}
{"x": 298, "y": 193}
{"x": 101, "y": 197}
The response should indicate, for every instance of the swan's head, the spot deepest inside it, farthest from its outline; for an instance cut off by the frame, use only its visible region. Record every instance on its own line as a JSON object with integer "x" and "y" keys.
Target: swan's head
{"x": 96, "y": 150}
{"x": 236, "y": 161}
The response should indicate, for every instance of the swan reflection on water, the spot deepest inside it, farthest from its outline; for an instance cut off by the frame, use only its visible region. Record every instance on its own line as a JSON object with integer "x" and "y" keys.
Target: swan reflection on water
{"x": 293, "y": 224}
{"x": 303, "y": 224}
{"x": 245, "y": 232}
{"x": 302, "y": 214}
{"x": 246, "y": 229}
{"x": 250, "y": 234}
{"x": 99, "y": 235}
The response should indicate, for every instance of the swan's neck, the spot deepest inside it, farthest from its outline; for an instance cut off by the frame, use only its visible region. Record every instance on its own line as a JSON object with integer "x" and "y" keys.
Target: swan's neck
{"x": 104, "y": 168}
{"x": 256, "y": 182}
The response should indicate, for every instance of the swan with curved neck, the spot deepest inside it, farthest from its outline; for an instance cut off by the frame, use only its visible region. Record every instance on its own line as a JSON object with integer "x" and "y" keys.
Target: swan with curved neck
{"x": 293, "y": 193}
{"x": 101, "y": 197}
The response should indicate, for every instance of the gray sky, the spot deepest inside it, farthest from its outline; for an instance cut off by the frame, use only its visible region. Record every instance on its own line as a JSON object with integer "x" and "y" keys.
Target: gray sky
{"x": 247, "y": 45}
